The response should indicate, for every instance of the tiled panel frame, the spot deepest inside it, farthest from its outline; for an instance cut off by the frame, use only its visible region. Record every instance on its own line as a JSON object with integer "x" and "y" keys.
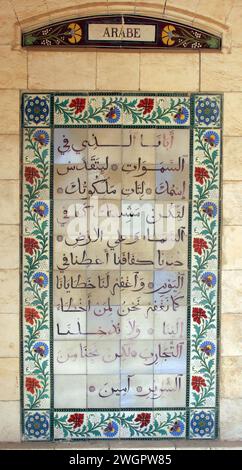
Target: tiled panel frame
{"x": 41, "y": 113}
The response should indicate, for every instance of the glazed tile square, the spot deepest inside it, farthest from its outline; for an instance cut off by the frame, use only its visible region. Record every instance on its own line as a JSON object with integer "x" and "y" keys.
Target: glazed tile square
{"x": 36, "y": 110}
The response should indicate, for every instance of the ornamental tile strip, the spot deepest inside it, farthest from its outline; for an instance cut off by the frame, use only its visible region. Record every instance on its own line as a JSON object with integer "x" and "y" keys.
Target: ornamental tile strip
{"x": 174, "y": 123}
{"x": 35, "y": 261}
{"x": 122, "y": 110}
{"x": 126, "y": 425}
{"x": 121, "y": 31}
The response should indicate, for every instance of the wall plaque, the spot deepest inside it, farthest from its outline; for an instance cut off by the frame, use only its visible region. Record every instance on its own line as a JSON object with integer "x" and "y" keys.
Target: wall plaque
{"x": 130, "y": 31}
{"x": 120, "y": 234}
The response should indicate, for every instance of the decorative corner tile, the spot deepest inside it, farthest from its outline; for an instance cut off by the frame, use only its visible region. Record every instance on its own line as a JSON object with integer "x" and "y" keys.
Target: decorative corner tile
{"x": 207, "y": 111}
{"x": 36, "y": 110}
{"x": 202, "y": 424}
{"x": 37, "y": 425}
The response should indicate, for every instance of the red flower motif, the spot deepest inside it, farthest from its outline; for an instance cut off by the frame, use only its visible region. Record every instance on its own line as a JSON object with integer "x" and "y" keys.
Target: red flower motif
{"x": 201, "y": 174}
{"x": 197, "y": 314}
{"x": 79, "y": 104}
{"x": 147, "y": 104}
{"x": 31, "y": 315}
{"x": 199, "y": 245}
{"x": 30, "y": 244}
{"x": 31, "y": 173}
{"x": 143, "y": 419}
{"x": 198, "y": 383}
{"x": 77, "y": 420}
{"x": 32, "y": 384}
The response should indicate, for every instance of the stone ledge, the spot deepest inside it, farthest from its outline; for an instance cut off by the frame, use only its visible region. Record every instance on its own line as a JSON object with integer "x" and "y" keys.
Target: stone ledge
{"x": 155, "y": 445}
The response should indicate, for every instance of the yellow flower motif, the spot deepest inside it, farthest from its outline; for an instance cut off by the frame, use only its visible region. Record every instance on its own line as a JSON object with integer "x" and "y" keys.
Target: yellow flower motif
{"x": 75, "y": 33}
{"x": 167, "y": 35}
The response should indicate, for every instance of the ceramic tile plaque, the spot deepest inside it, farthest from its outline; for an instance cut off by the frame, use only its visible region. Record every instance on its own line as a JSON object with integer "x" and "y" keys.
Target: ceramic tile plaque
{"x": 120, "y": 265}
{"x": 120, "y": 31}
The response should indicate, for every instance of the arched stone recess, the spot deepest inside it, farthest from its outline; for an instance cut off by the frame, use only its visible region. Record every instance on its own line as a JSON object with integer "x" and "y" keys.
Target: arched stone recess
{"x": 29, "y": 18}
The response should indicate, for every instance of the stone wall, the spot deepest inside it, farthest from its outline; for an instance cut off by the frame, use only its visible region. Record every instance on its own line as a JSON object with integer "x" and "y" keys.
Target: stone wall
{"x": 122, "y": 70}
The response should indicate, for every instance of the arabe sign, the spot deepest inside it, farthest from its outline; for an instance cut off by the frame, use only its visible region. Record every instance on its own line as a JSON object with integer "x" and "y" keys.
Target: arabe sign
{"x": 122, "y": 32}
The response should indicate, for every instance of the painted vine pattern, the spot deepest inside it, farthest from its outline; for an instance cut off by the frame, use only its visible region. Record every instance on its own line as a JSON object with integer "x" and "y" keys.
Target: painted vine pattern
{"x": 137, "y": 425}
{"x": 83, "y": 110}
{"x": 203, "y": 351}
{"x": 36, "y": 251}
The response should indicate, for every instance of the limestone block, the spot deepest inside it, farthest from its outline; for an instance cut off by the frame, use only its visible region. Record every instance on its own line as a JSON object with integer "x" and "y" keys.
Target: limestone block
{"x": 9, "y": 110}
{"x": 9, "y": 288}
{"x": 13, "y": 68}
{"x": 231, "y": 334}
{"x": 9, "y": 378}
{"x": 75, "y": 70}
{"x": 232, "y": 203}
{"x": 151, "y": 7}
{"x": 114, "y": 6}
{"x": 9, "y": 157}
{"x": 9, "y": 201}
{"x": 9, "y": 334}
{"x": 118, "y": 70}
{"x": 233, "y": 114}
{"x": 230, "y": 419}
{"x": 235, "y": 21}
{"x": 232, "y": 253}
{"x": 9, "y": 247}
{"x": 189, "y": 6}
{"x": 28, "y": 8}
{"x": 226, "y": 76}
{"x": 10, "y": 421}
{"x": 231, "y": 377}
{"x": 232, "y": 158}
{"x": 160, "y": 71}
{"x": 8, "y": 19}
{"x": 216, "y": 9}
{"x": 231, "y": 290}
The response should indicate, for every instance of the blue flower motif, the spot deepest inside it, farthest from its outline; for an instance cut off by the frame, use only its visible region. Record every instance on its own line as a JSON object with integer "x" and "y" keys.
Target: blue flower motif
{"x": 37, "y": 425}
{"x": 37, "y": 109}
{"x": 208, "y": 348}
{"x": 202, "y": 423}
{"x": 212, "y": 138}
{"x": 42, "y": 137}
{"x": 207, "y": 111}
{"x": 177, "y": 428}
{"x": 41, "y": 208}
{"x": 113, "y": 115}
{"x": 210, "y": 209}
{"x": 181, "y": 116}
{"x": 209, "y": 279}
{"x": 111, "y": 430}
{"x": 41, "y": 348}
{"x": 41, "y": 279}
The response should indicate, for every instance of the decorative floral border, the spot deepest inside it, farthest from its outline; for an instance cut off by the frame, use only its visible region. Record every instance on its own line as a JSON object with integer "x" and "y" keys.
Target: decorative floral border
{"x": 40, "y": 114}
{"x": 121, "y": 110}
